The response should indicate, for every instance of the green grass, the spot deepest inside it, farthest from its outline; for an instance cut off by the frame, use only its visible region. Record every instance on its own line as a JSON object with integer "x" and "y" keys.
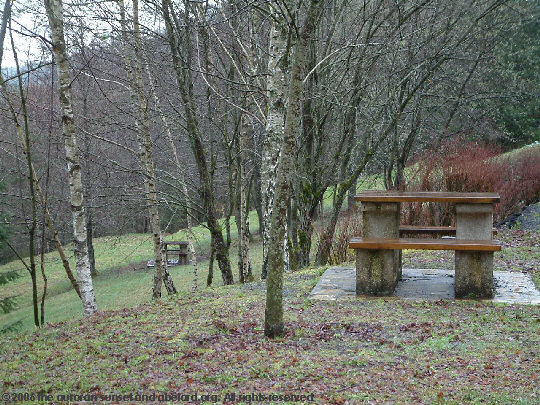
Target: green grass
{"x": 120, "y": 285}
{"x": 211, "y": 342}
{"x": 114, "y": 254}
{"x": 351, "y": 351}
{"x": 369, "y": 182}
{"x": 121, "y": 281}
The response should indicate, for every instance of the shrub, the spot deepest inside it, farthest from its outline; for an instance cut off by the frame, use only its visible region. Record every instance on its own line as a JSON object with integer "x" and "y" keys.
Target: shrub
{"x": 465, "y": 166}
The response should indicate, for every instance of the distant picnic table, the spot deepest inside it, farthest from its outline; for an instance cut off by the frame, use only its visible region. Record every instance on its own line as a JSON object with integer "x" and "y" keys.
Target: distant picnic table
{"x": 176, "y": 253}
{"x": 378, "y": 251}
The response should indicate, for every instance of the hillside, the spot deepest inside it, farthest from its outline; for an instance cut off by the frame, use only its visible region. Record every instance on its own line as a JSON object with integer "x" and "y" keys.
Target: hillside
{"x": 124, "y": 281}
{"x": 211, "y": 344}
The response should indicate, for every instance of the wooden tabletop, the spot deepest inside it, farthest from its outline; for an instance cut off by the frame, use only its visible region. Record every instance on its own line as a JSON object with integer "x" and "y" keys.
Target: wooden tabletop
{"x": 427, "y": 196}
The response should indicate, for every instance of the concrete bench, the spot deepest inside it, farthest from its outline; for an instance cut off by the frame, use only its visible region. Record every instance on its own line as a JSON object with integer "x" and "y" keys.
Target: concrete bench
{"x": 370, "y": 274}
{"x": 176, "y": 250}
{"x": 378, "y": 255}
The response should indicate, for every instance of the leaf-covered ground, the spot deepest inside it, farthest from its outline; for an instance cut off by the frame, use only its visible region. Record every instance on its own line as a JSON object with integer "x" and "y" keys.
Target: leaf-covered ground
{"x": 211, "y": 344}
{"x": 373, "y": 350}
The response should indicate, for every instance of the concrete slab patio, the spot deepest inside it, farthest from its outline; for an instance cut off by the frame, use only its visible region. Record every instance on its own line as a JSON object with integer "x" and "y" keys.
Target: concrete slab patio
{"x": 428, "y": 284}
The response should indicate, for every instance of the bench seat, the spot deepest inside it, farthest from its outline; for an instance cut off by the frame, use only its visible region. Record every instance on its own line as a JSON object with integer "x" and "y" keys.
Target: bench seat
{"x": 425, "y": 244}
{"x": 379, "y": 252}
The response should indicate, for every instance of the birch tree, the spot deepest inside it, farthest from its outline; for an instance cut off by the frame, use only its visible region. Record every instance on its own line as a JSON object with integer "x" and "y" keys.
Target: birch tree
{"x": 54, "y": 9}
{"x": 277, "y": 85}
{"x": 273, "y": 323}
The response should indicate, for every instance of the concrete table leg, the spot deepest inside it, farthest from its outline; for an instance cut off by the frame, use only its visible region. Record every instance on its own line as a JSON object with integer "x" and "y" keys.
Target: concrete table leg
{"x": 378, "y": 271}
{"x": 474, "y": 270}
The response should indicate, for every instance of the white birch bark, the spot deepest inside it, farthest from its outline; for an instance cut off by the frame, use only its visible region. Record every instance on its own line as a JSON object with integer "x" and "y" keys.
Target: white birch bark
{"x": 49, "y": 221}
{"x": 277, "y": 86}
{"x": 54, "y": 10}
{"x": 273, "y": 320}
{"x": 20, "y": 135}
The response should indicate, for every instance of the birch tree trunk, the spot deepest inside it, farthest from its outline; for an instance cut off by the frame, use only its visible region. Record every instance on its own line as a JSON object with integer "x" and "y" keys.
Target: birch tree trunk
{"x": 273, "y": 322}
{"x": 134, "y": 67}
{"x": 54, "y": 10}
{"x": 278, "y": 65}
{"x": 50, "y": 225}
{"x": 20, "y": 135}
{"x": 243, "y": 238}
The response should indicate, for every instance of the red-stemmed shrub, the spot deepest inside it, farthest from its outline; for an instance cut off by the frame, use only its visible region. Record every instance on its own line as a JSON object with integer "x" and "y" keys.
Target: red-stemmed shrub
{"x": 465, "y": 166}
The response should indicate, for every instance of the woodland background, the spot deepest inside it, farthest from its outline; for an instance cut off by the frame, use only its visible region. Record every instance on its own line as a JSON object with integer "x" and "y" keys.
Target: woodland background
{"x": 181, "y": 111}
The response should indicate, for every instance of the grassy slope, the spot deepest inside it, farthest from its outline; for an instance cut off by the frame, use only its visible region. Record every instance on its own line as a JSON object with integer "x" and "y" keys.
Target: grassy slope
{"x": 375, "y": 350}
{"x": 211, "y": 341}
{"x": 123, "y": 281}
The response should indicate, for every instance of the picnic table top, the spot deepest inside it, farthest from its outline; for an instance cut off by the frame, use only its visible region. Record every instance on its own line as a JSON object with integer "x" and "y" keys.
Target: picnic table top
{"x": 427, "y": 196}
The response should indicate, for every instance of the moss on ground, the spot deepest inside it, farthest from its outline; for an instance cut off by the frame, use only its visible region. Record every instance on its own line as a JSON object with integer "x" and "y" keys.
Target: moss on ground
{"x": 349, "y": 351}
